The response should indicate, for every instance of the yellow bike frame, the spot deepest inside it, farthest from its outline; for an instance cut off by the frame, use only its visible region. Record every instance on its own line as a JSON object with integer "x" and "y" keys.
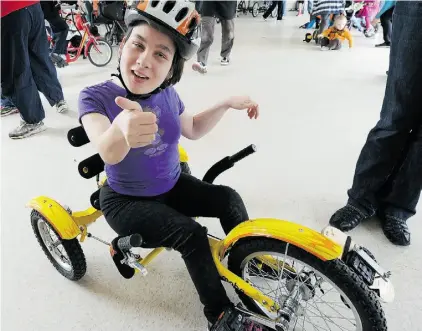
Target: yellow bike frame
{"x": 69, "y": 225}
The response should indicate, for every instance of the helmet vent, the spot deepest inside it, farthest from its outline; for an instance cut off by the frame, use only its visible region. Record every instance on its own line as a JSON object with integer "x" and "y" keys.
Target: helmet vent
{"x": 154, "y": 3}
{"x": 193, "y": 24}
{"x": 169, "y": 5}
{"x": 181, "y": 14}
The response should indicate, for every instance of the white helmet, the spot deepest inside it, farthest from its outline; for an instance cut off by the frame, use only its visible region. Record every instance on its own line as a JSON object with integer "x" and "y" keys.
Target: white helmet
{"x": 178, "y": 19}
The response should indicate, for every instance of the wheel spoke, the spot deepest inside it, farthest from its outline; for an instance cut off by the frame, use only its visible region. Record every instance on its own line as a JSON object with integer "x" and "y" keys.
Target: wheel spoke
{"x": 324, "y": 317}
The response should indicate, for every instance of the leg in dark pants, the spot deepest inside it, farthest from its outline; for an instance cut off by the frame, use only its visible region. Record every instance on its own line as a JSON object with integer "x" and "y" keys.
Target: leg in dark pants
{"x": 388, "y": 172}
{"x": 280, "y": 10}
{"x": 207, "y": 38}
{"x": 271, "y": 8}
{"x": 227, "y": 37}
{"x": 325, "y": 22}
{"x": 60, "y": 30}
{"x": 387, "y": 25}
{"x": 26, "y": 66}
{"x": 166, "y": 221}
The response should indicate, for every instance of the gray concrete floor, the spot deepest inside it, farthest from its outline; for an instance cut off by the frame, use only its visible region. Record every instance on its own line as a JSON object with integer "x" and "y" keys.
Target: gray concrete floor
{"x": 316, "y": 110}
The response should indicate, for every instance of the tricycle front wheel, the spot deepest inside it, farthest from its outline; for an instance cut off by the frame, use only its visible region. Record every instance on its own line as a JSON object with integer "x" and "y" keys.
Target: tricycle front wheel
{"x": 65, "y": 255}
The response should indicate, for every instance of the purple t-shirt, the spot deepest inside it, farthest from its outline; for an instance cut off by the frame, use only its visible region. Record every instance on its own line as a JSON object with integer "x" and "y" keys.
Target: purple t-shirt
{"x": 149, "y": 170}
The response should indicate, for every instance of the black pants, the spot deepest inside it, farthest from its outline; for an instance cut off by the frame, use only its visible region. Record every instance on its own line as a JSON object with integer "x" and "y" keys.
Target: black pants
{"x": 26, "y": 67}
{"x": 272, "y": 7}
{"x": 166, "y": 221}
{"x": 388, "y": 176}
{"x": 387, "y": 24}
{"x": 60, "y": 30}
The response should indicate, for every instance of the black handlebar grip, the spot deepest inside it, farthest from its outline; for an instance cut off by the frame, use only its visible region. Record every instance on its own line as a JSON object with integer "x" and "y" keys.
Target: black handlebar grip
{"x": 128, "y": 242}
{"x": 243, "y": 153}
{"x": 77, "y": 137}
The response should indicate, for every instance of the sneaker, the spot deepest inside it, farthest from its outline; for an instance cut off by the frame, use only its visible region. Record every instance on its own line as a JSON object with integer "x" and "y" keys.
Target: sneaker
{"x": 347, "y": 218}
{"x": 200, "y": 67}
{"x": 58, "y": 60}
{"x": 396, "y": 230}
{"x": 369, "y": 33}
{"x": 5, "y": 111}
{"x": 25, "y": 130}
{"x": 325, "y": 48}
{"x": 225, "y": 61}
{"x": 384, "y": 44}
{"x": 62, "y": 107}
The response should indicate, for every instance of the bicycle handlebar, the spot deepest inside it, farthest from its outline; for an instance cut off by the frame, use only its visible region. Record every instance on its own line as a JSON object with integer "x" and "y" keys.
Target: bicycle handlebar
{"x": 227, "y": 163}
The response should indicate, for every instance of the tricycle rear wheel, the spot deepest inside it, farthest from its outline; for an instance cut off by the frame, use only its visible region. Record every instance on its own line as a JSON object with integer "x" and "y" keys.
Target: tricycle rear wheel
{"x": 333, "y": 288}
{"x": 65, "y": 255}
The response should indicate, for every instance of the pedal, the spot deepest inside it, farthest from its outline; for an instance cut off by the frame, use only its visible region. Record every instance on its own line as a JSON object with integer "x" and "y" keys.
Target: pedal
{"x": 135, "y": 264}
{"x": 119, "y": 256}
{"x": 229, "y": 320}
{"x": 239, "y": 319}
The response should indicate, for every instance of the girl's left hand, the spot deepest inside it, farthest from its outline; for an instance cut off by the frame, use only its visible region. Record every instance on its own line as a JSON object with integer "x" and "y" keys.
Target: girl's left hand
{"x": 244, "y": 102}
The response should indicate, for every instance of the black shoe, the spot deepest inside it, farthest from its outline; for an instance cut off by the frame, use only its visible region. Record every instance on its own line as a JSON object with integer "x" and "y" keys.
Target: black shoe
{"x": 347, "y": 218}
{"x": 384, "y": 44}
{"x": 397, "y": 231}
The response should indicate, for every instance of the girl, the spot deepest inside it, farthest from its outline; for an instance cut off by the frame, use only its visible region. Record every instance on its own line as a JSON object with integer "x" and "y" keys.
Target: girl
{"x": 368, "y": 12}
{"x": 135, "y": 123}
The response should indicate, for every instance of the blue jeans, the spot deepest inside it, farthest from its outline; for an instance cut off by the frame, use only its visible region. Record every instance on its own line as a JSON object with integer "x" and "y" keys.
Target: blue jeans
{"x": 26, "y": 68}
{"x": 388, "y": 176}
{"x": 6, "y": 102}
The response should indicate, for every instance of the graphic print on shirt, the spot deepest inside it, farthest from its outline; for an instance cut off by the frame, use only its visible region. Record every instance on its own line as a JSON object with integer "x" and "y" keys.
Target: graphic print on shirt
{"x": 157, "y": 147}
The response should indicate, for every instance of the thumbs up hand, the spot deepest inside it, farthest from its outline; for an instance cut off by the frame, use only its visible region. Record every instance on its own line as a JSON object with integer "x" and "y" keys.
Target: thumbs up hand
{"x": 137, "y": 127}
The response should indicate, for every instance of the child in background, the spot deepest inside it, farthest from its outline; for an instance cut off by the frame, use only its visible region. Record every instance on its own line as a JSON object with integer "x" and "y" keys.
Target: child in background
{"x": 367, "y": 13}
{"x": 332, "y": 38}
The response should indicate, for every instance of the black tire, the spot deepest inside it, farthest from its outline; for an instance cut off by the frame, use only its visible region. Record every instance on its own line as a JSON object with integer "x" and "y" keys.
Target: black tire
{"x": 185, "y": 168}
{"x": 364, "y": 300}
{"x": 255, "y": 9}
{"x": 101, "y": 41}
{"x": 72, "y": 248}
{"x": 108, "y": 38}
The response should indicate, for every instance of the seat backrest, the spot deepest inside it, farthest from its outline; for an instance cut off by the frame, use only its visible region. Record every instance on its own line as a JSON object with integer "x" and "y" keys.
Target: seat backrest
{"x": 92, "y": 166}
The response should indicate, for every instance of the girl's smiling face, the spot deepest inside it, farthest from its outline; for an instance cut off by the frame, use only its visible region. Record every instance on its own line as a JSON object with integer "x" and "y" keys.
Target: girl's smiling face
{"x": 146, "y": 59}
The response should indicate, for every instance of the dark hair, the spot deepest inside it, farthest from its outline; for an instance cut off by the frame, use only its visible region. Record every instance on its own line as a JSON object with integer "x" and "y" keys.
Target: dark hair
{"x": 177, "y": 66}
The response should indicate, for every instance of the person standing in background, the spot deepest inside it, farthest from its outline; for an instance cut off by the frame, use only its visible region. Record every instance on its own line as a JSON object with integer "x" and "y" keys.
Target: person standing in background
{"x": 388, "y": 176}
{"x": 225, "y": 11}
{"x": 26, "y": 67}
{"x": 386, "y": 16}
{"x": 60, "y": 30}
{"x": 279, "y": 5}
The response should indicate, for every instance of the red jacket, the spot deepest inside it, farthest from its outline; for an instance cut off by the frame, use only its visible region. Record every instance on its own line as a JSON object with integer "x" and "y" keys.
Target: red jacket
{"x": 9, "y": 6}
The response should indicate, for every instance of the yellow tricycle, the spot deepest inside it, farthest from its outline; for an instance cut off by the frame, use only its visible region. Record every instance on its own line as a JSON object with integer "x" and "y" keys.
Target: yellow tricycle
{"x": 288, "y": 277}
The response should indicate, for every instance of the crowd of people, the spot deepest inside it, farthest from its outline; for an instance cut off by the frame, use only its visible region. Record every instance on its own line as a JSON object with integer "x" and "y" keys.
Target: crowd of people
{"x": 159, "y": 202}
